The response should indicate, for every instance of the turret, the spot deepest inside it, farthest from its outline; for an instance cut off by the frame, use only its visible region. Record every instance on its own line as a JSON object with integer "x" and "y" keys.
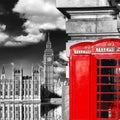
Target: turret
{"x": 3, "y": 73}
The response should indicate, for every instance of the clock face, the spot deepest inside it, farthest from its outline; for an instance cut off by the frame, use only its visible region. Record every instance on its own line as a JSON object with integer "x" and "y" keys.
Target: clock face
{"x": 49, "y": 59}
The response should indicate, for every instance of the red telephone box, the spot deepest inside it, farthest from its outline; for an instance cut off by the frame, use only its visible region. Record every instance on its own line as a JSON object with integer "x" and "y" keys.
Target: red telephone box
{"x": 95, "y": 80}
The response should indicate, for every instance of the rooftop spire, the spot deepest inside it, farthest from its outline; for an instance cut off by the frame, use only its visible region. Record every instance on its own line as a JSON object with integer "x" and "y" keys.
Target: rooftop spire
{"x": 48, "y": 44}
{"x": 3, "y": 70}
{"x": 48, "y": 38}
{"x": 3, "y": 73}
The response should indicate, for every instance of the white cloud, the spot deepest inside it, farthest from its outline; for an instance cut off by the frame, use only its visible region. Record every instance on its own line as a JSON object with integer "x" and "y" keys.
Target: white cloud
{"x": 33, "y": 28}
{"x": 56, "y": 63}
{"x": 63, "y": 56}
{"x": 36, "y": 7}
{"x": 23, "y": 40}
{"x": 3, "y": 37}
{"x": 30, "y": 38}
{"x": 12, "y": 44}
{"x": 42, "y": 13}
{"x": 59, "y": 69}
{"x": 2, "y": 27}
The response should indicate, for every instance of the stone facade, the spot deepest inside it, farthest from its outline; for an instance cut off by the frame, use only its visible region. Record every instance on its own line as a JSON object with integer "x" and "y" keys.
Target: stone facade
{"x": 20, "y": 97}
{"x": 90, "y": 19}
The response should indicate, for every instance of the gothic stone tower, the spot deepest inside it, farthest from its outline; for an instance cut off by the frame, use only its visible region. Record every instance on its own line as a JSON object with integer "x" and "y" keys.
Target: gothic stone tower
{"x": 48, "y": 66}
{"x": 18, "y": 74}
{"x": 3, "y": 73}
{"x": 36, "y": 83}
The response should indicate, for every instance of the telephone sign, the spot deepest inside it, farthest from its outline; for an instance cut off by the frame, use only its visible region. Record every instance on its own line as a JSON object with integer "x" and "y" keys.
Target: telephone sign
{"x": 95, "y": 80}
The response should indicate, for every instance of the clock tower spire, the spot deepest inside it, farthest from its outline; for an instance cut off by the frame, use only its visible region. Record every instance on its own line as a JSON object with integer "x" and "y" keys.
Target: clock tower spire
{"x": 48, "y": 44}
{"x": 48, "y": 65}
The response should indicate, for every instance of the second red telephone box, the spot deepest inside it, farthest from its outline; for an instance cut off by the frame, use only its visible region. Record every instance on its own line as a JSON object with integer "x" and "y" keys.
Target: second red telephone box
{"x": 95, "y": 80}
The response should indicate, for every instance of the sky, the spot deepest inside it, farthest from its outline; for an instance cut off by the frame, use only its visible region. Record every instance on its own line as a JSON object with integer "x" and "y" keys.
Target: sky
{"x": 23, "y": 28}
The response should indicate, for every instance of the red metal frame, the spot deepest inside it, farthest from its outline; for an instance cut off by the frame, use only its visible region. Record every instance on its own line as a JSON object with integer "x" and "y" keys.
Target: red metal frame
{"x": 92, "y": 97}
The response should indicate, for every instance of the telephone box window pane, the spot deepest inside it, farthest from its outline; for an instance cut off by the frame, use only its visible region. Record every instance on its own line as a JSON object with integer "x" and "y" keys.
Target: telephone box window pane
{"x": 98, "y": 62}
{"x": 106, "y": 105}
{"x": 119, "y": 79}
{"x": 107, "y": 70}
{"x": 108, "y": 79}
{"x": 108, "y": 62}
{"x": 108, "y": 97}
{"x": 119, "y": 88}
{"x": 98, "y": 88}
{"x": 98, "y": 97}
{"x": 104, "y": 114}
{"x": 106, "y": 88}
{"x": 119, "y": 62}
{"x": 119, "y": 97}
{"x": 97, "y": 114}
{"x": 98, "y": 79}
{"x": 98, "y": 71}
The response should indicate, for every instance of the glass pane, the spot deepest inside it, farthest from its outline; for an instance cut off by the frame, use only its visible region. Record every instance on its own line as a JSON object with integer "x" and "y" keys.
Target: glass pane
{"x": 98, "y": 62}
{"x": 108, "y": 88}
{"x": 108, "y": 79}
{"x": 119, "y": 79}
{"x": 98, "y": 97}
{"x": 106, "y": 105}
{"x": 98, "y": 115}
{"x": 119, "y": 62}
{"x": 108, "y": 62}
{"x": 107, "y": 70}
{"x": 104, "y": 114}
{"x": 108, "y": 97}
{"x": 98, "y": 71}
{"x": 119, "y": 88}
{"x": 98, "y": 79}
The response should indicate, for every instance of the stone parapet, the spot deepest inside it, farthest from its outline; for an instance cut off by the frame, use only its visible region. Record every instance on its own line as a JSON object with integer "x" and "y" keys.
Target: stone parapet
{"x": 90, "y": 19}
{"x": 91, "y": 26}
{"x": 81, "y": 3}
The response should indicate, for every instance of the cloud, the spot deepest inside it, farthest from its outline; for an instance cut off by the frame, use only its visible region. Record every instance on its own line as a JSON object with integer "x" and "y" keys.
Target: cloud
{"x": 2, "y": 27}
{"x": 30, "y": 38}
{"x": 12, "y": 44}
{"x": 42, "y": 13}
{"x": 63, "y": 56}
{"x": 59, "y": 68}
{"x": 31, "y": 7}
{"x": 3, "y": 37}
{"x": 12, "y": 63}
{"x": 39, "y": 14}
{"x": 24, "y": 40}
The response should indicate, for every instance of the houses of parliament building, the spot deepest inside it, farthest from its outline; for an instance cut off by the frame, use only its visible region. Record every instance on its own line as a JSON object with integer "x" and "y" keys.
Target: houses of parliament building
{"x": 20, "y": 97}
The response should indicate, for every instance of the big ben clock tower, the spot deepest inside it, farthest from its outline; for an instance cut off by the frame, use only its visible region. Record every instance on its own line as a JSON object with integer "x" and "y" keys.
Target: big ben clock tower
{"x": 48, "y": 66}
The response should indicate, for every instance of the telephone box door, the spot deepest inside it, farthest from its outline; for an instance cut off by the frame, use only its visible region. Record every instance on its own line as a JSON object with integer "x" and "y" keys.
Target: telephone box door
{"x": 79, "y": 88}
{"x": 105, "y": 102}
